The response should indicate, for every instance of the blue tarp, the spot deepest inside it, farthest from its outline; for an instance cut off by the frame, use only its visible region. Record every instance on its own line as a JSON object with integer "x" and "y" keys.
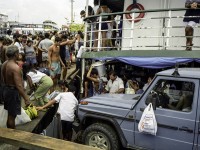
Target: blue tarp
{"x": 152, "y": 62}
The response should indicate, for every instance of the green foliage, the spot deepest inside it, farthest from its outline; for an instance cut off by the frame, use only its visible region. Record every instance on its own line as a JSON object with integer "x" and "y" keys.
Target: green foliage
{"x": 76, "y": 27}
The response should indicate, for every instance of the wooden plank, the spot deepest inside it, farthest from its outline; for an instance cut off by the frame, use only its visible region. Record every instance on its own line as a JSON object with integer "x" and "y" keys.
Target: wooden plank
{"x": 37, "y": 142}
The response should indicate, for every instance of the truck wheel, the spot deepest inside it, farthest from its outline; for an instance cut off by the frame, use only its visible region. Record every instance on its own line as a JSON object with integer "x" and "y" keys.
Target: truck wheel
{"x": 101, "y": 136}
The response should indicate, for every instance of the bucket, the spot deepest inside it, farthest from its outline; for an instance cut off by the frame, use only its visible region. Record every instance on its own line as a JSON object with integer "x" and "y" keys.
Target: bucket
{"x": 100, "y": 68}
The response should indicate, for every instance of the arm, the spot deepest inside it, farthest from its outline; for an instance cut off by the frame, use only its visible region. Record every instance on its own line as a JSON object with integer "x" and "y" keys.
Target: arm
{"x": 106, "y": 89}
{"x": 61, "y": 62}
{"x": 121, "y": 87}
{"x": 89, "y": 77}
{"x": 49, "y": 56}
{"x": 98, "y": 11}
{"x": 51, "y": 102}
{"x": 30, "y": 83}
{"x": 18, "y": 83}
{"x": 40, "y": 47}
{"x": 121, "y": 90}
{"x": 130, "y": 84}
{"x": 86, "y": 88}
{"x": 69, "y": 42}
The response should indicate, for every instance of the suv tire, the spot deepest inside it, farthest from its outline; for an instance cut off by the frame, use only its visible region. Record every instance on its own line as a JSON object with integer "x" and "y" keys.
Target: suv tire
{"x": 101, "y": 136}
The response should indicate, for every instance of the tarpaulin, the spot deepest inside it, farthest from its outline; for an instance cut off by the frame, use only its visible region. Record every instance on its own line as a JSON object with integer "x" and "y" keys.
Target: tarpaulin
{"x": 152, "y": 62}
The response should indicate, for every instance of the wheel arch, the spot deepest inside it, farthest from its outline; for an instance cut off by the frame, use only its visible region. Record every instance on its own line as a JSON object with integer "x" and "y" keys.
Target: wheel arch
{"x": 94, "y": 118}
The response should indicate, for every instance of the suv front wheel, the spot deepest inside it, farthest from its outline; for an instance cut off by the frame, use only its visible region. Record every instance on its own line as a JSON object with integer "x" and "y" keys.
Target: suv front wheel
{"x": 101, "y": 136}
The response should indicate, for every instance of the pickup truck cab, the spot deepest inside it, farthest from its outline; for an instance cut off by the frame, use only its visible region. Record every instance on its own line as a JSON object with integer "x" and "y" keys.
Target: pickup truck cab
{"x": 110, "y": 121}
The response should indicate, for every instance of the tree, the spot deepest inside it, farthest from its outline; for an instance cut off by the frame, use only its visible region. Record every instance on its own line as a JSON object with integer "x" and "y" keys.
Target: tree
{"x": 76, "y": 27}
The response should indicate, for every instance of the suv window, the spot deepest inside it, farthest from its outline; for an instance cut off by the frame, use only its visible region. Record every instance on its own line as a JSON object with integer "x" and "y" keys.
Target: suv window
{"x": 170, "y": 94}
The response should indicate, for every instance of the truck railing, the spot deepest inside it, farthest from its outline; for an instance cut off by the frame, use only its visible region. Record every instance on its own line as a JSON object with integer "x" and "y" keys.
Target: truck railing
{"x": 163, "y": 32}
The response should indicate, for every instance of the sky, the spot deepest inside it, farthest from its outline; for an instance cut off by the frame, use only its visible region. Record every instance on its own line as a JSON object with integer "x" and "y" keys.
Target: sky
{"x": 37, "y": 11}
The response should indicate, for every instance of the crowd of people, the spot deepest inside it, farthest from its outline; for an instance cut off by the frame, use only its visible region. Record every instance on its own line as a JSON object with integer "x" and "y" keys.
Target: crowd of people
{"x": 112, "y": 82}
{"x": 38, "y": 60}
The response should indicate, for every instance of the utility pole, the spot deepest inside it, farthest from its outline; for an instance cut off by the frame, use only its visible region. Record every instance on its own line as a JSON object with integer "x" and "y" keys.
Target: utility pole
{"x": 72, "y": 14}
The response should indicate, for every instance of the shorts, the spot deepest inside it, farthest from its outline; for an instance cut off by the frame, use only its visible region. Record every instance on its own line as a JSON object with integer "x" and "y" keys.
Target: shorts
{"x": 104, "y": 26}
{"x": 44, "y": 56}
{"x": 31, "y": 60}
{"x": 67, "y": 55}
{"x": 64, "y": 61}
{"x": 56, "y": 70}
{"x": 12, "y": 101}
{"x": 1, "y": 93}
{"x": 190, "y": 23}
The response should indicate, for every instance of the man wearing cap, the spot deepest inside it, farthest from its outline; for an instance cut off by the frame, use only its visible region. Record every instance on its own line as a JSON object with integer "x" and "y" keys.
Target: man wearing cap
{"x": 67, "y": 106}
{"x": 11, "y": 77}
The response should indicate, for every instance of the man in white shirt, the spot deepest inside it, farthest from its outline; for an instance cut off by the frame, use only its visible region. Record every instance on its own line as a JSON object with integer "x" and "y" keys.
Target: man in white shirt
{"x": 67, "y": 106}
{"x": 115, "y": 84}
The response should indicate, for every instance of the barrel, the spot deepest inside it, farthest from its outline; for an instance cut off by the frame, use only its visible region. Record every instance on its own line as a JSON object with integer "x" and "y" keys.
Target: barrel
{"x": 100, "y": 68}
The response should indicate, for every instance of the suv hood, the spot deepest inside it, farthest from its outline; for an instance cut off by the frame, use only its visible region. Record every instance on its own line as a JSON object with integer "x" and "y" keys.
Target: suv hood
{"x": 125, "y": 101}
{"x": 115, "y": 105}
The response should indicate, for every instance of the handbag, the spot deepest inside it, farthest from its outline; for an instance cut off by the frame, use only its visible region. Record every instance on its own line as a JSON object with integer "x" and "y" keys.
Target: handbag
{"x": 148, "y": 122}
{"x": 129, "y": 90}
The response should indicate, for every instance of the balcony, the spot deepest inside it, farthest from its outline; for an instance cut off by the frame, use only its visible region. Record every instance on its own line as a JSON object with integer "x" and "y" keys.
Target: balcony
{"x": 158, "y": 29}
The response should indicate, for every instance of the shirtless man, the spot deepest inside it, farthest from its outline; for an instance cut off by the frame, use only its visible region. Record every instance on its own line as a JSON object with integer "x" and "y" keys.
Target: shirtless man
{"x": 55, "y": 61}
{"x": 13, "y": 86}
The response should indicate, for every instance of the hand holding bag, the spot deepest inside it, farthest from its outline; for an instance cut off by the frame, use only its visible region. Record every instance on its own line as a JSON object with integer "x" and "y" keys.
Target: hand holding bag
{"x": 148, "y": 122}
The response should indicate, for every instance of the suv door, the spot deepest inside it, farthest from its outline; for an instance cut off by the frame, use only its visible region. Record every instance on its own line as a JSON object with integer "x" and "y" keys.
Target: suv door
{"x": 197, "y": 140}
{"x": 175, "y": 127}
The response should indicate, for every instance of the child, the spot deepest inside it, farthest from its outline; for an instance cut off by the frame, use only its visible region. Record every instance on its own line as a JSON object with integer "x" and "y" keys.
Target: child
{"x": 67, "y": 106}
{"x": 21, "y": 60}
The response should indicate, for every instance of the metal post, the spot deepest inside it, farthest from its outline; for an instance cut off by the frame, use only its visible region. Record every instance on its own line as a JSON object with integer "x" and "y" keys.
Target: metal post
{"x": 72, "y": 20}
{"x": 168, "y": 28}
{"x": 99, "y": 33}
{"x": 83, "y": 60}
{"x": 86, "y": 25}
{"x": 91, "y": 35}
{"x": 132, "y": 30}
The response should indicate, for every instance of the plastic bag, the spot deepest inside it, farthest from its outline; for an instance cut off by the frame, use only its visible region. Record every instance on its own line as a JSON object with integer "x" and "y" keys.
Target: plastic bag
{"x": 4, "y": 116}
{"x": 20, "y": 119}
{"x": 148, "y": 122}
{"x": 129, "y": 90}
{"x": 52, "y": 95}
{"x": 23, "y": 118}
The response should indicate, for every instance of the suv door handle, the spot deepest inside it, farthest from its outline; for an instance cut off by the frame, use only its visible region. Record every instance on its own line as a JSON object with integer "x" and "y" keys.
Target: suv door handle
{"x": 186, "y": 129}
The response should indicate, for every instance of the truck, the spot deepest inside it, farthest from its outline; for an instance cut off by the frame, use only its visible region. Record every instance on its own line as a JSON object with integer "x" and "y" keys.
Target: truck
{"x": 110, "y": 121}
